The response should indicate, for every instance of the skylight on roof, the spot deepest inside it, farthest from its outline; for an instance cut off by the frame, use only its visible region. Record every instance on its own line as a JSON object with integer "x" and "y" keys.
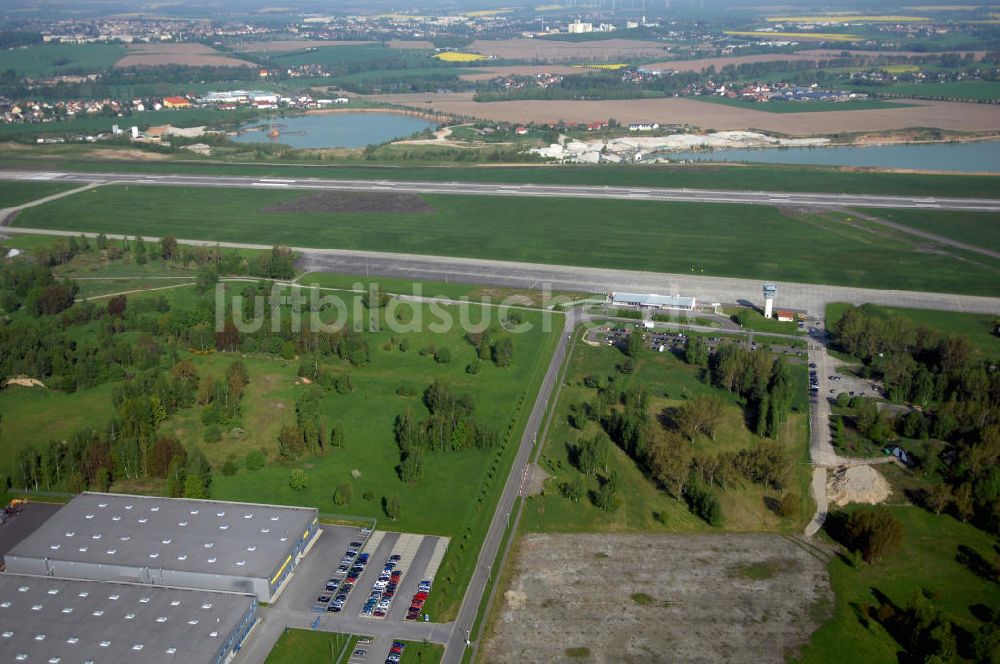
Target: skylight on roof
{"x": 72, "y": 640}
{"x": 102, "y": 504}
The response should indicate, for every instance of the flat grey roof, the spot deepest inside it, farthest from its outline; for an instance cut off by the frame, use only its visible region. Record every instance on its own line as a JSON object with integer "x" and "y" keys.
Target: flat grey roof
{"x": 47, "y": 619}
{"x": 202, "y": 536}
{"x": 651, "y": 299}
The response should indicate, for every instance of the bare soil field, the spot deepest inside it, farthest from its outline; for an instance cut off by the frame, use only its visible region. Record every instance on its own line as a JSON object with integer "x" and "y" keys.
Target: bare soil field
{"x": 952, "y": 116}
{"x": 353, "y": 202}
{"x": 544, "y": 50}
{"x": 281, "y": 46}
{"x": 188, "y": 54}
{"x": 659, "y": 598}
{"x": 407, "y": 44}
{"x": 486, "y": 73}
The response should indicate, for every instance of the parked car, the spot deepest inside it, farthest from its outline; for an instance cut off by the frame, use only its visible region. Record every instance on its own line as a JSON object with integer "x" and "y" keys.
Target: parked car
{"x": 323, "y": 598}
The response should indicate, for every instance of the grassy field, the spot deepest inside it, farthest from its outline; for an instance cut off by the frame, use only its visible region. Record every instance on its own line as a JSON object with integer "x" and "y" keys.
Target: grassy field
{"x": 645, "y": 507}
{"x": 51, "y": 59}
{"x": 92, "y": 125}
{"x": 803, "y": 107}
{"x": 972, "y": 90}
{"x": 17, "y": 193}
{"x": 926, "y": 562}
{"x": 754, "y": 320}
{"x": 301, "y": 645}
{"x": 372, "y": 56}
{"x": 744, "y": 241}
{"x": 978, "y": 327}
{"x": 981, "y": 229}
{"x": 752, "y": 177}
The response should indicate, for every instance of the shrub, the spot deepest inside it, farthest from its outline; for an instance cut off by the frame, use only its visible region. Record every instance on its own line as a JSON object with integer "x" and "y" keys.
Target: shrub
{"x": 298, "y": 479}
{"x": 342, "y": 494}
{"x": 255, "y": 460}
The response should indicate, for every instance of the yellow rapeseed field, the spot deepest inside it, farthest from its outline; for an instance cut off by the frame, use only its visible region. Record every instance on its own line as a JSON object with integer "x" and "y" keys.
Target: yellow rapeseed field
{"x": 452, "y": 56}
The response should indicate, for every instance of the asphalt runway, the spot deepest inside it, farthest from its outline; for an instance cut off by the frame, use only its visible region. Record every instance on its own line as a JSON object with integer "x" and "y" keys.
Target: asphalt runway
{"x": 810, "y": 200}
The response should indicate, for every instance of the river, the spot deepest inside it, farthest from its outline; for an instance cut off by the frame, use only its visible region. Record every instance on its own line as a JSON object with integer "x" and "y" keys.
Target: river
{"x": 959, "y": 157}
{"x": 332, "y": 130}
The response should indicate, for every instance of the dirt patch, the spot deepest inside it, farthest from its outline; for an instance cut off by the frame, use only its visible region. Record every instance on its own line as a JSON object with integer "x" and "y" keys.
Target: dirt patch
{"x": 188, "y": 54}
{"x": 487, "y": 73}
{"x": 857, "y": 484}
{"x": 353, "y": 202}
{"x": 660, "y": 594}
{"x": 415, "y": 44}
{"x": 21, "y": 381}
{"x": 536, "y": 480}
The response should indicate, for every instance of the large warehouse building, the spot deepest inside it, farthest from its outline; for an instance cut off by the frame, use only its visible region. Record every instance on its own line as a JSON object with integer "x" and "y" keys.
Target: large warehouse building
{"x": 203, "y": 544}
{"x": 45, "y": 619}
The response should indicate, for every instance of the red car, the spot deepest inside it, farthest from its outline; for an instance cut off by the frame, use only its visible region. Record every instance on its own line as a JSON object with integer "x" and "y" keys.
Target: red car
{"x": 417, "y": 604}
{"x": 421, "y": 596}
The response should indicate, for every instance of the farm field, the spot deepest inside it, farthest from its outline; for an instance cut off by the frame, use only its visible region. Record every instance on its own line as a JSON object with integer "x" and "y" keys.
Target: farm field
{"x": 951, "y": 116}
{"x": 805, "y": 107}
{"x": 747, "y": 240}
{"x": 980, "y": 229}
{"x": 371, "y": 56}
{"x": 615, "y": 597}
{"x": 972, "y": 90}
{"x": 645, "y": 507}
{"x": 533, "y": 50}
{"x": 187, "y": 54}
{"x": 926, "y": 562}
{"x": 978, "y": 327}
{"x": 283, "y": 45}
{"x": 52, "y": 59}
{"x": 754, "y": 177}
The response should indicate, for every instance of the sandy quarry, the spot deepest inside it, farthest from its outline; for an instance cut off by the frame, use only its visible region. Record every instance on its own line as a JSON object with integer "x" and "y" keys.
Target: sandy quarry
{"x": 638, "y": 147}
{"x": 624, "y": 598}
{"x": 857, "y": 484}
{"x": 953, "y": 116}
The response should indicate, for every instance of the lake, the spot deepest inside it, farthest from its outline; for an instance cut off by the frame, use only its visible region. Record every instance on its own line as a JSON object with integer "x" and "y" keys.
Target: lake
{"x": 333, "y": 130}
{"x": 960, "y": 157}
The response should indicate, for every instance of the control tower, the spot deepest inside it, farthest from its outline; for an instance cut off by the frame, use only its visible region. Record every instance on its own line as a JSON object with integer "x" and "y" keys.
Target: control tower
{"x": 769, "y": 291}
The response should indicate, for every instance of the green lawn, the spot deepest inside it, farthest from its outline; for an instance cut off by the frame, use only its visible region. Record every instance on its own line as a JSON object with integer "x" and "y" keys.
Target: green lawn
{"x": 51, "y": 59}
{"x": 17, "y": 193}
{"x": 981, "y": 229}
{"x": 978, "y": 327}
{"x": 301, "y": 646}
{"x": 183, "y": 117}
{"x": 753, "y": 177}
{"x": 713, "y": 239}
{"x": 417, "y": 652}
{"x": 645, "y": 507}
{"x": 926, "y": 562}
{"x": 802, "y": 107}
{"x": 754, "y": 320}
{"x": 372, "y": 56}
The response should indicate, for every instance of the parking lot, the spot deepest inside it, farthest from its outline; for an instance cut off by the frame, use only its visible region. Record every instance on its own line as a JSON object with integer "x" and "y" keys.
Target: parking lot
{"x": 622, "y": 598}
{"x": 369, "y": 563}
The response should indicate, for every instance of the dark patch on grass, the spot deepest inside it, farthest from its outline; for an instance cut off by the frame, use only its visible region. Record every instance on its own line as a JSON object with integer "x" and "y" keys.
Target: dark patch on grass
{"x": 764, "y": 570}
{"x": 642, "y": 599}
{"x": 578, "y": 653}
{"x": 353, "y": 202}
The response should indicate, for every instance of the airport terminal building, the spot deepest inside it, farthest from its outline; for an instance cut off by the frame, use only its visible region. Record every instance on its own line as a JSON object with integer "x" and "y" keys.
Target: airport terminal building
{"x": 201, "y": 544}
{"x": 46, "y": 619}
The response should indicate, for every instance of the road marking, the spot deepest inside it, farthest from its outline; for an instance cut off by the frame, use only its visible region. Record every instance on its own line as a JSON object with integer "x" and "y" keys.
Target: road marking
{"x": 270, "y": 184}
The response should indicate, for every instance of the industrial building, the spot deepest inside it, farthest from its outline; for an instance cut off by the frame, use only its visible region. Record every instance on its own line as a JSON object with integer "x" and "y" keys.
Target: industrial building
{"x": 652, "y": 301}
{"x": 46, "y": 619}
{"x": 202, "y": 544}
